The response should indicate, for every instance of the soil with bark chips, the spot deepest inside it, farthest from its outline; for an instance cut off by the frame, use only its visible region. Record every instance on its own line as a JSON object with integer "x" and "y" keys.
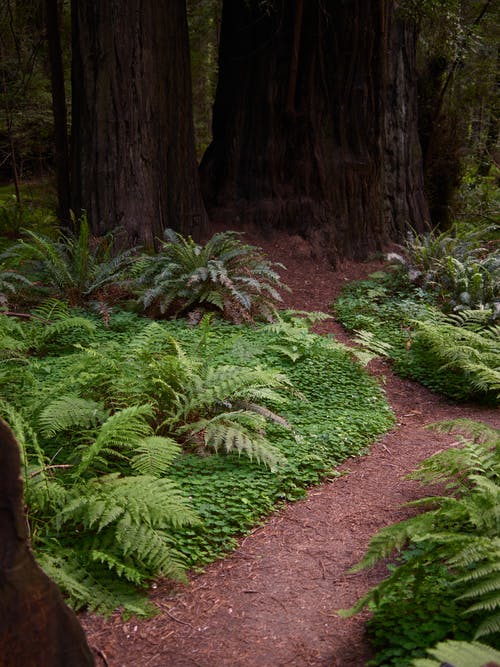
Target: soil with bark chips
{"x": 273, "y": 602}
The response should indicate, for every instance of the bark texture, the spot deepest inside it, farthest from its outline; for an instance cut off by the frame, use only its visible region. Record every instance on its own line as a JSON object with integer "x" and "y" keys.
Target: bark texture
{"x": 37, "y": 629}
{"x": 405, "y": 201}
{"x": 52, "y": 24}
{"x": 302, "y": 117}
{"x": 134, "y": 164}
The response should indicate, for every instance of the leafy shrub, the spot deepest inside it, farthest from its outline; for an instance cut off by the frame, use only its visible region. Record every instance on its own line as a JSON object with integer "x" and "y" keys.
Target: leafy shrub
{"x": 77, "y": 266}
{"x": 447, "y": 583}
{"x": 14, "y": 217}
{"x": 225, "y": 275}
{"x": 473, "y": 357}
{"x": 11, "y": 283}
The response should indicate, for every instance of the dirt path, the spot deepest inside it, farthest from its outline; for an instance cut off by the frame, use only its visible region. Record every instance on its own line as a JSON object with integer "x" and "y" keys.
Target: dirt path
{"x": 272, "y": 603}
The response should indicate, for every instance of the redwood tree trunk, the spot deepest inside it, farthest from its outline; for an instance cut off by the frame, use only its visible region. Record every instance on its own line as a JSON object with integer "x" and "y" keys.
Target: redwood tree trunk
{"x": 52, "y": 21}
{"x": 301, "y": 117}
{"x": 134, "y": 163}
{"x": 405, "y": 201}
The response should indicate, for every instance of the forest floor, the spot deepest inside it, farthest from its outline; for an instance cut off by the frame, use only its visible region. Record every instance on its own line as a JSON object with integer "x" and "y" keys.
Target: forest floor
{"x": 273, "y": 602}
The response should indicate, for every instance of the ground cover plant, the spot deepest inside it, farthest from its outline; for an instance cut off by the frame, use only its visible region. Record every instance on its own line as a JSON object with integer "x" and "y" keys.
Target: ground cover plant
{"x": 437, "y": 307}
{"x": 445, "y": 583}
{"x": 149, "y": 446}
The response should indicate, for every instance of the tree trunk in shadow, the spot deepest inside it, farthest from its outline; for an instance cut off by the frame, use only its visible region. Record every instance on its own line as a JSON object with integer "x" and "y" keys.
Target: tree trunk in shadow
{"x": 302, "y": 120}
{"x": 37, "y": 629}
{"x": 133, "y": 154}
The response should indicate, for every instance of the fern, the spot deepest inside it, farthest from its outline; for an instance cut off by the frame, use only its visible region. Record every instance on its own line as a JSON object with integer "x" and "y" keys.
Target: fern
{"x": 460, "y": 654}
{"x": 76, "y": 266}
{"x": 468, "y": 353}
{"x": 233, "y": 278}
{"x": 237, "y": 431}
{"x": 69, "y": 412}
{"x": 86, "y": 585}
{"x": 26, "y": 438}
{"x": 369, "y": 341}
{"x": 154, "y": 455}
{"x": 459, "y": 531}
{"x": 121, "y": 432}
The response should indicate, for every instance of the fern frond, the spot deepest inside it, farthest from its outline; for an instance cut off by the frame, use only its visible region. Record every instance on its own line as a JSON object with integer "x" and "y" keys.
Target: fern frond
{"x": 238, "y": 431}
{"x": 154, "y": 455}
{"x": 489, "y": 626}
{"x": 87, "y": 587}
{"x": 394, "y": 537}
{"x": 26, "y": 438}
{"x": 67, "y": 412}
{"x": 368, "y": 340}
{"x": 460, "y": 654}
{"x": 124, "y": 430}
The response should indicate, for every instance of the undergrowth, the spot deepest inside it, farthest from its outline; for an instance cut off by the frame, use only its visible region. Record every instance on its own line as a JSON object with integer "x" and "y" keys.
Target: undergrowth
{"x": 456, "y": 354}
{"x": 445, "y": 584}
{"x": 149, "y": 447}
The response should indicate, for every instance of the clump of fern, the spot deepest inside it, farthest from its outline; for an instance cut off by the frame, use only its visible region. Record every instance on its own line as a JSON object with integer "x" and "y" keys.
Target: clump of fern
{"x": 452, "y": 547}
{"x": 11, "y": 283}
{"x": 457, "y": 264}
{"x": 224, "y": 275}
{"x": 76, "y": 266}
{"x": 202, "y": 405}
{"x": 101, "y": 507}
{"x": 464, "y": 347}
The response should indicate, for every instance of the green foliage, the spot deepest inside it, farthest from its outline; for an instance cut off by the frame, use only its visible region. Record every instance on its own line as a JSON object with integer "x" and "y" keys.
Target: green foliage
{"x": 224, "y": 275}
{"x": 93, "y": 528}
{"x": 11, "y": 283}
{"x": 473, "y": 355}
{"x": 117, "y": 434}
{"x": 460, "y": 654}
{"x": 458, "y": 264}
{"x": 447, "y": 584}
{"x": 455, "y": 354}
{"x": 76, "y": 267}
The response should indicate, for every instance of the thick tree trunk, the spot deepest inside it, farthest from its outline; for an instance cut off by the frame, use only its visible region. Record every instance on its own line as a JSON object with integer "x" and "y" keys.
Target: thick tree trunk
{"x": 134, "y": 163}
{"x": 37, "y": 629}
{"x": 405, "y": 201}
{"x": 52, "y": 20}
{"x": 300, "y": 122}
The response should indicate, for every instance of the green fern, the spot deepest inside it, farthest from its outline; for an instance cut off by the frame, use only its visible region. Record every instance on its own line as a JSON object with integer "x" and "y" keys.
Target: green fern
{"x": 69, "y": 412}
{"x": 369, "y": 341}
{"x": 76, "y": 266}
{"x": 460, "y": 654}
{"x": 87, "y": 585}
{"x": 238, "y": 431}
{"x": 226, "y": 275}
{"x": 154, "y": 454}
{"x": 469, "y": 353}
{"x": 459, "y": 531}
{"x": 117, "y": 437}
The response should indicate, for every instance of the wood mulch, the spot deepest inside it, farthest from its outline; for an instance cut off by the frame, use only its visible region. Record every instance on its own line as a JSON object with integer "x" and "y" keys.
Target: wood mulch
{"x": 272, "y": 602}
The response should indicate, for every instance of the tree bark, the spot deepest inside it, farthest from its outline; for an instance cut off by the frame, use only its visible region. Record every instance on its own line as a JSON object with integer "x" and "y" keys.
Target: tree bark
{"x": 52, "y": 22}
{"x": 405, "y": 201}
{"x": 134, "y": 165}
{"x": 316, "y": 165}
{"x": 37, "y": 629}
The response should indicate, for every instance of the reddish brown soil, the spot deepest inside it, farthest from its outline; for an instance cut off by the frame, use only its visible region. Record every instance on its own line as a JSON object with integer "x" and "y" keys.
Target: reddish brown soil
{"x": 272, "y": 602}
